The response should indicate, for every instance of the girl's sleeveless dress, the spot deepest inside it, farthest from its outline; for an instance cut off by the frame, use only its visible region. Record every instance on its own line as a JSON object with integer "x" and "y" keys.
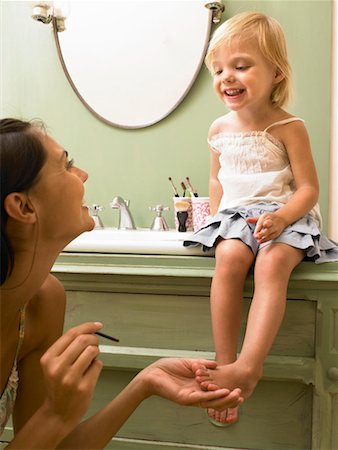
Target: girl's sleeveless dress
{"x": 256, "y": 177}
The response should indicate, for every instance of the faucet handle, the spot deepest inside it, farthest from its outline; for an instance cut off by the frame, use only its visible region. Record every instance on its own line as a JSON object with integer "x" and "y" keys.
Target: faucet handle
{"x": 159, "y": 209}
{"x": 94, "y": 210}
{"x": 159, "y": 224}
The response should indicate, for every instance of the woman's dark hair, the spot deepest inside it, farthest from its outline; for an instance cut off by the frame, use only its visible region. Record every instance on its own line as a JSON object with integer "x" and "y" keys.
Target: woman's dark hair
{"x": 22, "y": 156}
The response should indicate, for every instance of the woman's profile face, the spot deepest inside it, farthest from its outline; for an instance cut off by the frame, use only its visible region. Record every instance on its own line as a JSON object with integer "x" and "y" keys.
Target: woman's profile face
{"x": 58, "y": 196}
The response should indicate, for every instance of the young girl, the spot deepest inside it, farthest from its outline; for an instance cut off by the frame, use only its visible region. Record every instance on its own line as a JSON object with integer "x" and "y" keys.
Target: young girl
{"x": 263, "y": 198}
{"x": 47, "y": 380}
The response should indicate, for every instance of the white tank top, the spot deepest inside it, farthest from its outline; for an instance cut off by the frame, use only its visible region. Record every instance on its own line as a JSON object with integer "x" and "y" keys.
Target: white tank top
{"x": 254, "y": 168}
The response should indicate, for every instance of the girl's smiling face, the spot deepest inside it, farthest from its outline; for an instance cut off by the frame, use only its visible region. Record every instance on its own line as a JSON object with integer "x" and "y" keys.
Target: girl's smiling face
{"x": 243, "y": 78}
{"x": 58, "y": 196}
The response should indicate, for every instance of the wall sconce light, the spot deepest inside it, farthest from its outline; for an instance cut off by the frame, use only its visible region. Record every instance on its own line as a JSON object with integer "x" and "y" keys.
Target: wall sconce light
{"x": 42, "y": 13}
{"x": 46, "y": 13}
{"x": 216, "y": 8}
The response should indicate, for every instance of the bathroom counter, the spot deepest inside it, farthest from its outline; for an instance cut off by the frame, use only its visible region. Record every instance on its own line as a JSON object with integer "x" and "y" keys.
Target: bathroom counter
{"x": 170, "y": 265}
{"x": 158, "y": 306}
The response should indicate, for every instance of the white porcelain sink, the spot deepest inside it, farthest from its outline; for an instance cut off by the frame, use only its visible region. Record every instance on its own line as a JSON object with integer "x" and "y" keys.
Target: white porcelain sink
{"x": 142, "y": 241}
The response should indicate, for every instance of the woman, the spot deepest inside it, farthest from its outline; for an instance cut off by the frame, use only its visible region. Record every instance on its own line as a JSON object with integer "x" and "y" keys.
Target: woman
{"x": 42, "y": 210}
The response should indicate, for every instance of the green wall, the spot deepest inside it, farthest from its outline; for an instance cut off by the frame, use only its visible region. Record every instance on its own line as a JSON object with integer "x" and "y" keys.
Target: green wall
{"x": 136, "y": 163}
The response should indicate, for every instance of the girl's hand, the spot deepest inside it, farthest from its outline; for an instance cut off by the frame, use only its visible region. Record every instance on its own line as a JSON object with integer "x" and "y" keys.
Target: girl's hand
{"x": 70, "y": 371}
{"x": 268, "y": 226}
{"x": 174, "y": 379}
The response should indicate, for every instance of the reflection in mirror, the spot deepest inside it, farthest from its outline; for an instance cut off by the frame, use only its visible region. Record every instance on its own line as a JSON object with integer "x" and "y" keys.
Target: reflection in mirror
{"x": 133, "y": 62}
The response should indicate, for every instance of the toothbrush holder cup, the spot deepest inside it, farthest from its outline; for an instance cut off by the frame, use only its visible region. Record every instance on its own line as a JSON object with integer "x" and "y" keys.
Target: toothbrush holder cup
{"x": 200, "y": 211}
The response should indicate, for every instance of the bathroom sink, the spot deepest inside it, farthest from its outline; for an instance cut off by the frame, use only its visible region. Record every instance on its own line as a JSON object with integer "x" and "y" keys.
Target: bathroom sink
{"x": 141, "y": 241}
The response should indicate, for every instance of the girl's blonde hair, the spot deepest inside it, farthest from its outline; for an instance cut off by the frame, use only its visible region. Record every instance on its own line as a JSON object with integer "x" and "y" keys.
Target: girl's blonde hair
{"x": 270, "y": 38}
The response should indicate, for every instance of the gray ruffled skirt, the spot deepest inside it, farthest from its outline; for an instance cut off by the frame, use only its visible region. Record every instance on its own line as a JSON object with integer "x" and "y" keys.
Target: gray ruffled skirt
{"x": 231, "y": 223}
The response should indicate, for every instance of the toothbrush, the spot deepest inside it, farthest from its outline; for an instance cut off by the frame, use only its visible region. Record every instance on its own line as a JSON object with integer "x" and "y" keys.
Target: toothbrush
{"x": 193, "y": 191}
{"x": 174, "y": 188}
{"x": 184, "y": 187}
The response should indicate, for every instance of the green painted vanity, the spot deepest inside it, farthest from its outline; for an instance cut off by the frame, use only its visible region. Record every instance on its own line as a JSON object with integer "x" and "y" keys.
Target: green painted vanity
{"x": 158, "y": 306}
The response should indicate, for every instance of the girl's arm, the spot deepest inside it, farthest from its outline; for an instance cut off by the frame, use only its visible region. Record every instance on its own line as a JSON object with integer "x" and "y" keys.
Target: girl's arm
{"x": 297, "y": 143}
{"x": 296, "y": 140}
{"x": 215, "y": 187}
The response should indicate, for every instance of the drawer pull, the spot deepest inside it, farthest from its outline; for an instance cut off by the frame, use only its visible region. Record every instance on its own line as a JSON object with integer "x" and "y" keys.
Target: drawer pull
{"x": 332, "y": 373}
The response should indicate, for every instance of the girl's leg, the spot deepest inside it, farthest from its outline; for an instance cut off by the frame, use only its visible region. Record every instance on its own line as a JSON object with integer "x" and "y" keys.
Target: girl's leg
{"x": 233, "y": 260}
{"x": 274, "y": 264}
{"x": 273, "y": 268}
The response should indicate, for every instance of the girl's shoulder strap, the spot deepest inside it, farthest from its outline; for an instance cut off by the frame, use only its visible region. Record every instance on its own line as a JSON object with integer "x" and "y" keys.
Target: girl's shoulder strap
{"x": 284, "y": 122}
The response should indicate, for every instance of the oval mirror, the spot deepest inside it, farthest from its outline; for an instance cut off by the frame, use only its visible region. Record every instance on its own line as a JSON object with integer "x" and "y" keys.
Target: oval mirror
{"x": 132, "y": 62}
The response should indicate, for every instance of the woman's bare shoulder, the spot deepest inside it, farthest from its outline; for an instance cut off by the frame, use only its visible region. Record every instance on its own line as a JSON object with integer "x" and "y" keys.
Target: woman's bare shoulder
{"x": 51, "y": 297}
{"x": 45, "y": 315}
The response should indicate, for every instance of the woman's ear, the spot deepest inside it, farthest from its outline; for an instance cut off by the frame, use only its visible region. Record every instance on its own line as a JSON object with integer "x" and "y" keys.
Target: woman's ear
{"x": 19, "y": 207}
{"x": 278, "y": 76}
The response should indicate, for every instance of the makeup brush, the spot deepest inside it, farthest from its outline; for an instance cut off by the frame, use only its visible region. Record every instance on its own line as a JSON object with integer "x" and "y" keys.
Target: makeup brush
{"x": 182, "y": 214}
{"x": 174, "y": 188}
{"x": 193, "y": 191}
{"x": 184, "y": 187}
{"x": 111, "y": 338}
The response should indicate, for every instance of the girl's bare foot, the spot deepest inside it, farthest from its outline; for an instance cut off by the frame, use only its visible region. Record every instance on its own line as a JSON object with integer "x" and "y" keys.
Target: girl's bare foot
{"x": 232, "y": 376}
{"x": 227, "y": 416}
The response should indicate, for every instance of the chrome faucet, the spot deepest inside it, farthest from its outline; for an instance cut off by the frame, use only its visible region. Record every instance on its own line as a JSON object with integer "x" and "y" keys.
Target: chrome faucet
{"x": 126, "y": 221}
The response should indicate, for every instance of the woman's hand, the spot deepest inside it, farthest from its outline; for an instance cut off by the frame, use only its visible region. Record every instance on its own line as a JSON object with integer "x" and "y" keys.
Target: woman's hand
{"x": 70, "y": 371}
{"x": 174, "y": 379}
{"x": 268, "y": 226}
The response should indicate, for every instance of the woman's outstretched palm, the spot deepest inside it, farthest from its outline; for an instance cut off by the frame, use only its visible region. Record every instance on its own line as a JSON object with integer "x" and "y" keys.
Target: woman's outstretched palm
{"x": 174, "y": 379}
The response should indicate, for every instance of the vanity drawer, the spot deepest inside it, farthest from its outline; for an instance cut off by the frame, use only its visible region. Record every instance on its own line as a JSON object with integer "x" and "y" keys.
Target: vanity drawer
{"x": 180, "y": 322}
